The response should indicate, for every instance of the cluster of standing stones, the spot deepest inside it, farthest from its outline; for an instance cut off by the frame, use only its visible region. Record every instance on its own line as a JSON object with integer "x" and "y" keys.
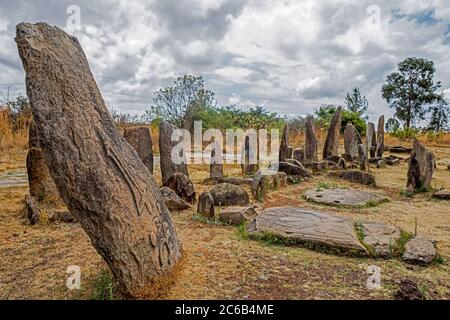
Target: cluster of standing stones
{"x": 106, "y": 180}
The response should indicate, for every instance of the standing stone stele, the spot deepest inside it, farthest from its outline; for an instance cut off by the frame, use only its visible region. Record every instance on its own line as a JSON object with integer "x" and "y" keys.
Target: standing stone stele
{"x": 310, "y": 140}
{"x": 285, "y": 149}
{"x": 371, "y": 140}
{"x": 380, "y": 137}
{"x": 168, "y": 166}
{"x": 101, "y": 179}
{"x": 421, "y": 168}
{"x": 362, "y": 158}
{"x": 352, "y": 139}
{"x": 331, "y": 146}
{"x": 141, "y": 140}
{"x": 216, "y": 163}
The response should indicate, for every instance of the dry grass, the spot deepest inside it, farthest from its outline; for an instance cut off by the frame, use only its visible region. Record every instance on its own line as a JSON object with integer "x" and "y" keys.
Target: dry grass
{"x": 8, "y": 138}
{"x": 218, "y": 262}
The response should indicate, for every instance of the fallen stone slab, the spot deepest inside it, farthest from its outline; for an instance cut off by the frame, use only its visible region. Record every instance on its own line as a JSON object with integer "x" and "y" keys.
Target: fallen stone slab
{"x": 343, "y": 197}
{"x": 419, "y": 250}
{"x": 400, "y": 149}
{"x": 355, "y": 176}
{"x": 173, "y": 201}
{"x": 237, "y": 215}
{"x": 293, "y": 169}
{"x": 225, "y": 194}
{"x": 301, "y": 226}
{"x": 380, "y": 238}
{"x": 442, "y": 195}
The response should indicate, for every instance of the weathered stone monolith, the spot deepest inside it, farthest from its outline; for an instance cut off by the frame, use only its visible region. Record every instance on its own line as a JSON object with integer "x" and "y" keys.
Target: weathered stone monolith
{"x": 170, "y": 166}
{"x": 352, "y": 139}
{"x": 101, "y": 179}
{"x": 216, "y": 163}
{"x": 380, "y": 137}
{"x": 331, "y": 146}
{"x": 285, "y": 149}
{"x": 141, "y": 140}
{"x": 371, "y": 140}
{"x": 421, "y": 168}
{"x": 362, "y": 158}
{"x": 310, "y": 140}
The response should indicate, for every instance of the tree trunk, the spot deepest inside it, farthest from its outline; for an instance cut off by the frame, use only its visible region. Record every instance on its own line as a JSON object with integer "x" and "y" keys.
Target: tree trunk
{"x": 105, "y": 185}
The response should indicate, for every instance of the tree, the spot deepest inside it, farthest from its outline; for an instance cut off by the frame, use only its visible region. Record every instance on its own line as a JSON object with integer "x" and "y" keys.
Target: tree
{"x": 410, "y": 89}
{"x": 325, "y": 113}
{"x": 440, "y": 113}
{"x": 392, "y": 125}
{"x": 356, "y": 103}
{"x": 181, "y": 104}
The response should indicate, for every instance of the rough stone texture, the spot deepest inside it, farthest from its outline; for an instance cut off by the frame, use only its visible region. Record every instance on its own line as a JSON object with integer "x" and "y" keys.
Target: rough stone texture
{"x": 182, "y": 186}
{"x": 298, "y": 154}
{"x": 421, "y": 167}
{"x": 32, "y": 212}
{"x": 371, "y": 139}
{"x": 341, "y": 164}
{"x": 62, "y": 216}
{"x": 264, "y": 183}
{"x": 237, "y": 215}
{"x": 442, "y": 194}
{"x": 308, "y": 226}
{"x": 347, "y": 157}
{"x": 333, "y": 158}
{"x": 343, "y": 197}
{"x": 357, "y": 176}
{"x": 225, "y": 194}
{"x": 206, "y": 205}
{"x": 293, "y": 169}
{"x": 352, "y": 139}
{"x": 400, "y": 149}
{"x": 285, "y": 149}
{"x": 173, "y": 201}
{"x": 41, "y": 184}
{"x": 331, "y": 146}
{"x": 168, "y": 167}
{"x": 381, "y": 237}
{"x": 380, "y": 137}
{"x": 362, "y": 158}
{"x": 141, "y": 140}
{"x": 419, "y": 251}
{"x": 231, "y": 180}
{"x": 311, "y": 142}
{"x": 216, "y": 165}
{"x": 319, "y": 167}
{"x": 408, "y": 290}
{"x": 101, "y": 179}
{"x": 249, "y": 165}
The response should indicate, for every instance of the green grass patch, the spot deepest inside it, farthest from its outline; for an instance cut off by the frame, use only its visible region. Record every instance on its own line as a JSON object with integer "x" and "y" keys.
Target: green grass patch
{"x": 104, "y": 286}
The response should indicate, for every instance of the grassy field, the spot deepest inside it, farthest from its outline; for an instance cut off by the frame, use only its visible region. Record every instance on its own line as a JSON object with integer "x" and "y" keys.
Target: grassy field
{"x": 219, "y": 263}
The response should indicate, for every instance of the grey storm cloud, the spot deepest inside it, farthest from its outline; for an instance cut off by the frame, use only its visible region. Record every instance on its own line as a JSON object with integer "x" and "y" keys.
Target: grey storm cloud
{"x": 290, "y": 56}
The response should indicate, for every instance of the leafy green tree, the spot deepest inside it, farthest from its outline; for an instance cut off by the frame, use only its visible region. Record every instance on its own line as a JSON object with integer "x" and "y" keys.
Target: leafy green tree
{"x": 392, "y": 125}
{"x": 357, "y": 103}
{"x": 325, "y": 113}
{"x": 410, "y": 89}
{"x": 181, "y": 104}
{"x": 440, "y": 113}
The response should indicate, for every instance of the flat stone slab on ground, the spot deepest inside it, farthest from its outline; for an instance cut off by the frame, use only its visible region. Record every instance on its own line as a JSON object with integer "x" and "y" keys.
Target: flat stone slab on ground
{"x": 419, "y": 250}
{"x": 308, "y": 227}
{"x": 443, "y": 195}
{"x": 343, "y": 197}
{"x": 381, "y": 237}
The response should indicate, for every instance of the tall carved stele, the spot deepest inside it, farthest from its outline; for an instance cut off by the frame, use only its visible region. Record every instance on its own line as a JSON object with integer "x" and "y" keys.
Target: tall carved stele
{"x": 100, "y": 178}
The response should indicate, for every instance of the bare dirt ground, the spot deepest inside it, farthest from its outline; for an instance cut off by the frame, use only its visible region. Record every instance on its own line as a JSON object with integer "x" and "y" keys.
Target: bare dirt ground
{"x": 218, "y": 262}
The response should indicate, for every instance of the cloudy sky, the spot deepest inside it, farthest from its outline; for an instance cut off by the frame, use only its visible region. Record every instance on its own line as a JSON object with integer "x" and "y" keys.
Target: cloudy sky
{"x": 289, "y": 56}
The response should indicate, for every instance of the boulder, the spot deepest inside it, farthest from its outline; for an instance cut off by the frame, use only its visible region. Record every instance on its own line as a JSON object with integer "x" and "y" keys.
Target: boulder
{"x": 419, "y": 251}
{"x": 331, "y": 146}
{"x": 182, "y": 186}
{"x": 237, "y": 215}
{"x": 311, "y": 141}
{"x": 100, "y": 177}
{"x": 380, "y": 137}
{"x": 264, "y": 183}
{"x": 334, "y": 158}
{"x": 421, "y": 168}
{"x": 173, "y": 201}
{"x": 442, "y": 195}
{"x": 293, "y": 169}
{"x": 382, "y": 238}
{"x": 225, "y": 194}
{"x": 343, "y": 197}
{"x": 62, "y": 216}
{"x": 141, "y": 140}
{"x": 408, "y": 290}
{"x": 400, "y": 149}
{"x": 168, "y": 166}
{"x": 206, "y": 205}
{"x": 352, "y": 139}
{"x": 319, "y": 167}
{"x": 32, "y": 212}
{"x": 302, "y": 226}
{"x": 357, "y": 176}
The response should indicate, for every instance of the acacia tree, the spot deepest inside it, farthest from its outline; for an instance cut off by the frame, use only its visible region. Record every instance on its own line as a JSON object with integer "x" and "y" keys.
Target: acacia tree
{"x": 410, "y": 89}
{"x": 440, "y": 113}
{"x": 356, "y": 103}
{"x": 180, "y": 103}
